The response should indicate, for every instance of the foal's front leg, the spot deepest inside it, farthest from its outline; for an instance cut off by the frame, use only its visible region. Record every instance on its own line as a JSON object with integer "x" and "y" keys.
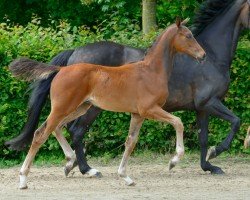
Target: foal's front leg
{"x": 159, "y": 114}
{"x": 135, "y": 126}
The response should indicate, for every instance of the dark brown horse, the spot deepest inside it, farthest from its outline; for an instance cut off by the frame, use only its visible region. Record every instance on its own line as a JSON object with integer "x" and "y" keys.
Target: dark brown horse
{"x": 138, "y": 88}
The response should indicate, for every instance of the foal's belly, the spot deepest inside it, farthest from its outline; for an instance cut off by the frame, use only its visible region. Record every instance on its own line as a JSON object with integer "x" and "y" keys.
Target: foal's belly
{"x": 113, "y": 102}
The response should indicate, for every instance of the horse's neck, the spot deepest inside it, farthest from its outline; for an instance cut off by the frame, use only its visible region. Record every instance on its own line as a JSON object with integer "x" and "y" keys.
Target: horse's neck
{"x": 220, "y": 38}
{"x": 160, "y": 56}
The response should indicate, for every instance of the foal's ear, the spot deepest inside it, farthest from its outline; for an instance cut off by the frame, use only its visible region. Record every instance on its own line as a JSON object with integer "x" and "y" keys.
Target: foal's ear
{"x": 178, "y": 22}
{"x": 184, "y": 22}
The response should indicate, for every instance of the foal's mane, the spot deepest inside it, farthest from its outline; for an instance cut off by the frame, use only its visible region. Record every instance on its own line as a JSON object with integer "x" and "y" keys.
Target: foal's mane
{"x": 207, "y": 12}
{"x": 158, "y": 38}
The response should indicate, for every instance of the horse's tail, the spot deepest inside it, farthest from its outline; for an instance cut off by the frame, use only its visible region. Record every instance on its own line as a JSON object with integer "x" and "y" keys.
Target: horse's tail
{"x": 37, "y": 100}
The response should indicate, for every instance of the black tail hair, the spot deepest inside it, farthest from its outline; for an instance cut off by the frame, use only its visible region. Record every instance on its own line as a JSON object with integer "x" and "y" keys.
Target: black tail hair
{"x": 37, "y": 100}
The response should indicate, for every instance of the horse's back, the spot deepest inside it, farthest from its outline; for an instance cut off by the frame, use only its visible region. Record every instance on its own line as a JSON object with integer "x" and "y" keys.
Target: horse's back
{"x": 106, "y": 53}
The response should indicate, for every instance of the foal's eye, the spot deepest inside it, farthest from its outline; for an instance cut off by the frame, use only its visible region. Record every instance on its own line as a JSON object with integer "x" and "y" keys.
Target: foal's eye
{"x": 189, "y": 36}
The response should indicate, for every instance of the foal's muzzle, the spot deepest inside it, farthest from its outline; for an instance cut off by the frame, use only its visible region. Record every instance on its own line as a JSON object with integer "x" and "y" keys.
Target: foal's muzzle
{"x": 202, "y": 58}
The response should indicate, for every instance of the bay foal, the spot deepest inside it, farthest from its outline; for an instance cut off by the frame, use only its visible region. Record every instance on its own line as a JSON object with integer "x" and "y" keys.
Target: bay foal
{"x": 138, "y": 88}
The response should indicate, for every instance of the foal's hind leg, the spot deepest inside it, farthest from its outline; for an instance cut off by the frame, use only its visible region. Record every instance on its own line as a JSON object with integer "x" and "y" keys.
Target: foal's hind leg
{"x": 135, "y": 125}
{"x": 55, "y": 119}
{"x": 40, "y": 136}
{"x": 159, "y": 114}
{"x": 67, "y": 150}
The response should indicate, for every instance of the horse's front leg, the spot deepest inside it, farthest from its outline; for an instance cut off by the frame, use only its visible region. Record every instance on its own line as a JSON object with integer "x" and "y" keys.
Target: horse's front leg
{"x": 216, "y": 108}
{"x": 202, "y": 122}
{"x": 77, "y": 130}
{"x": 135, "y": 126}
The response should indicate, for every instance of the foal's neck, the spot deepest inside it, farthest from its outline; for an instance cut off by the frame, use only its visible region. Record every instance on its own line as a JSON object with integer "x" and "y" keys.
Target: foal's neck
{"x": 160, "y": 56}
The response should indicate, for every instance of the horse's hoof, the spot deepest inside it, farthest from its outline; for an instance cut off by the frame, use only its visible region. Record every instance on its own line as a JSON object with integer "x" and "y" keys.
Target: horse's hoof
{"x": 211, "y": 153}
{"x": 93, "y": 173}
{"x": 98, "y": 175}
{"x": 217, "y": 171}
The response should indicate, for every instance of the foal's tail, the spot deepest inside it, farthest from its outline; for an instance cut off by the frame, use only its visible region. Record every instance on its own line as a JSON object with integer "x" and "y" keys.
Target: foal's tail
{"x": 37, "y": 100}
{"x": 28, "y": 69}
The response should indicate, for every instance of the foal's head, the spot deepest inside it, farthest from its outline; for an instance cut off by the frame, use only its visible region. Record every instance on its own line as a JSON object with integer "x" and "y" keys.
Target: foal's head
{"x": 185, "y": 42}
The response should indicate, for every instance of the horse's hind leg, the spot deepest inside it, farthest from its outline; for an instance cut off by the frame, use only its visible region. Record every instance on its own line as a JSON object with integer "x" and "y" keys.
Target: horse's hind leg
{"x": 40, "y": 136}
{"x": 159, "y": 114}
{"x": 85, "y": 169}
{"x": 135, "y": 125}
{"x": 77, "y": 129}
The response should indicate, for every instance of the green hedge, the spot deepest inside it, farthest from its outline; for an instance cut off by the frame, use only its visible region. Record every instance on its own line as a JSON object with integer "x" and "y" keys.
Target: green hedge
{"x": 109, "y": 131}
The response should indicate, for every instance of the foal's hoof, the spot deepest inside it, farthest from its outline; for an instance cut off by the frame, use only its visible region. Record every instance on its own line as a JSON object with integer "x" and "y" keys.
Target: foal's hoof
{"x": 23, "y": 182}
{"x": 211, "y": 153}
{"x": 129, "y": 181}
{"x": 67, "y": 169}
{"x": 171, "y": 165}
{"x": 131, "y": 184}
{"x": 23, "y": 187}
{"x": 217, "y": 171}
{"x": 93, "y": 173}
